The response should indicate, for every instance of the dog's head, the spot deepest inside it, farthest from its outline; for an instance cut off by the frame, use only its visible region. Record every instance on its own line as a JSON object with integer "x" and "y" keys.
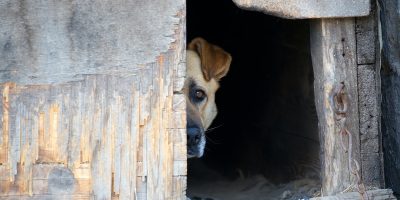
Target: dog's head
{"x": 206, "y": 65}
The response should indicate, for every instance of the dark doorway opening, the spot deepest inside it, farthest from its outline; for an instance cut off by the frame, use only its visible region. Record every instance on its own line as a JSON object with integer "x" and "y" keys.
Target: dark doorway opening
{"x": 266, "y": 129}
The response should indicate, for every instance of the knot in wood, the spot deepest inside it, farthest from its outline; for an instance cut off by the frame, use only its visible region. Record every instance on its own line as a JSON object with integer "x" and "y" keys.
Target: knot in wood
{"x": 340, "y": 101}
{"x": 340, "y": 105}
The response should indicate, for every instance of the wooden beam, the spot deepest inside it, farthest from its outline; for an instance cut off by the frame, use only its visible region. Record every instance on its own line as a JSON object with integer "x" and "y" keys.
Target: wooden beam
{"x": 333, "y": 51}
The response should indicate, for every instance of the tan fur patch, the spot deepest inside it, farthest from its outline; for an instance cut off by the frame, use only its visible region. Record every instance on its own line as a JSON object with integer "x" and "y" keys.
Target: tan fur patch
{"x": 206, "y": 65}
{"x": 215, "y": 62}
{"x": 208, "y": 109}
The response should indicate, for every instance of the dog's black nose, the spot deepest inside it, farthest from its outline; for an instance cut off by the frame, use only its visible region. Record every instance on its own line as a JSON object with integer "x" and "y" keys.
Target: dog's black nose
{"x": 193, "y": 136}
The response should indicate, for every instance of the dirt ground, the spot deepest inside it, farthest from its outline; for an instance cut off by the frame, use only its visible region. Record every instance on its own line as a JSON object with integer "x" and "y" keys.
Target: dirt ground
{"x": 254, "y": 188}
{"x": 206, "y": 184}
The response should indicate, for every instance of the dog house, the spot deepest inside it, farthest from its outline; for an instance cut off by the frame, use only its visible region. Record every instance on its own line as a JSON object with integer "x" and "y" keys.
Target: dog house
{"x": 93, "y": 107}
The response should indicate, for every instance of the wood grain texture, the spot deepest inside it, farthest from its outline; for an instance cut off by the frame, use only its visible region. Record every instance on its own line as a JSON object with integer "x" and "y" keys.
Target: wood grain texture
{"x": 68, "y": 39}
{"x": 383, "y": 194}
{"x": 92, "y": 100}
{"x": 333, "y": 53}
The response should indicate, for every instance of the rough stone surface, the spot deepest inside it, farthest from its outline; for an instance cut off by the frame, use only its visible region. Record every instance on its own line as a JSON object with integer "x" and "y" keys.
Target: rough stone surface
{"x": 368, "y": 108}
{"x": 366, "y": 33}
{"x": 371, "y": 170}
{"x": 298, "y": 9}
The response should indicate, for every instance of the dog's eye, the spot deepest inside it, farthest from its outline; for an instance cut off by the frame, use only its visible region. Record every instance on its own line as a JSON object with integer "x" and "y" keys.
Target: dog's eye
{"x": 200, "y": 95}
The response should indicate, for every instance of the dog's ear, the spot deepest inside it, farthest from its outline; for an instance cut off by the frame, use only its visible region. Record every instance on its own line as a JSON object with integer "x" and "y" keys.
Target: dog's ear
{"x": 215, "y": 61}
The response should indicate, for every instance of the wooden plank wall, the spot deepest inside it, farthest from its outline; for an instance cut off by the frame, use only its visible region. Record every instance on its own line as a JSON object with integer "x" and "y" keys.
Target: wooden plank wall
{"x": 91, "y": 99}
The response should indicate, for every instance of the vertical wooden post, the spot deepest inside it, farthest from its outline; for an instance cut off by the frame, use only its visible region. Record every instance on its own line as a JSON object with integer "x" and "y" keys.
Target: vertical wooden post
{"x": 333, "y": 51}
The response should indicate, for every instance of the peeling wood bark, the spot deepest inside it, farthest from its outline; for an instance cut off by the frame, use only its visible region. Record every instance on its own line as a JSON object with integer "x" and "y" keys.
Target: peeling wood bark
{"x": 333, "y": 53}
{"x": 92, "y": 104}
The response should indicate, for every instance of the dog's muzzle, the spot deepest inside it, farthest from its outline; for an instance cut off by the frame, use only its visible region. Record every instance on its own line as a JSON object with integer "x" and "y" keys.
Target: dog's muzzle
{"x": 195, "y": 142}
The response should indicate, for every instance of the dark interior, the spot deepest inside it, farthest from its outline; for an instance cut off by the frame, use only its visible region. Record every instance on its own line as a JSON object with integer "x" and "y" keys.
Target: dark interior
{"x": 266, "y": 123}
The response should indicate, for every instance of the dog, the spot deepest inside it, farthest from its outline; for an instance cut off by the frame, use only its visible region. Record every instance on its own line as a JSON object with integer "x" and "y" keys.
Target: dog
{"x": 206, "y": 65}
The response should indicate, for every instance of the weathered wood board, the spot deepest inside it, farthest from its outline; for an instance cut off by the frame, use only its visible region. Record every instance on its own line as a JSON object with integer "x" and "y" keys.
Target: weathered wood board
{"x": 333, "y": 51}
{"x": 382, "y": 194}
{"x": 91, "y": 99}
